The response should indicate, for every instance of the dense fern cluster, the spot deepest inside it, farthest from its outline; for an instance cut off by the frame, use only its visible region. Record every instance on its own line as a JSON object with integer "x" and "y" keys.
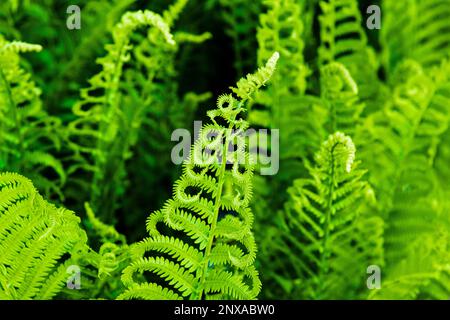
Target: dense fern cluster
{"x": 358, "y": 119}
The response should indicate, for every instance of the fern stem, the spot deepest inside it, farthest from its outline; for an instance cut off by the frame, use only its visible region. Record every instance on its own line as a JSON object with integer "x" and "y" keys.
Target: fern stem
{"x": 322, "y": 269}
{"x": 221, "y": 176}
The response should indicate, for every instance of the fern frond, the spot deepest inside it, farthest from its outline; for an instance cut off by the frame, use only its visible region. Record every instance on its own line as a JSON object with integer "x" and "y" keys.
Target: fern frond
{"x": 341, "y": 98}
{"x": 35, "y": 237}
{"x": 343, "y": 40}
{"x": 156, "y": 89}
{"x": 106, "y": 232}
{"x": 105, "y": 131}
{"x": 281, "y": 30}
{"x": 320, "y": 234}
{"x": 404, "y": 136}
{"x": 247, "y": 87}
{"x": 417, "y": 30}
{"x": 210, "y": 213}
{"x": 423, "y": 274}
{"x": 26, "y": 148}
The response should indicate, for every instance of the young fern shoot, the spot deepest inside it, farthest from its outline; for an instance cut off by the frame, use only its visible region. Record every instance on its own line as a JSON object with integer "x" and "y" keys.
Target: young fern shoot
{"x": 27, "y": 133}
{"x": 210, "y": 252}
{"x": 103, "y": 135}
{"x": 317, "y": 239}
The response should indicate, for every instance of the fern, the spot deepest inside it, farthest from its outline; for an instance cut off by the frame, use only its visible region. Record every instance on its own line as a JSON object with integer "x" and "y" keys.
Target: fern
{"x": 407, "y": 132}
{"x": 280, "y": 30}
{"x": 26, "y": 148}
{"x": 304, "y": 118}
{"x": 82, "y": 46}
{"x": 412, "y": 128}
{"x": 422, "y": 275}
{"x": 310, "y": 231}
{"x": 104, "y": 133}
{"x": 417, "y": 30}
{"x": 155, "y": 88}
{"x": 38, "y": 241}
{"x": 343, "y": 40}
{"x": 321, "y": 235}
{"x": 213, "y": 255}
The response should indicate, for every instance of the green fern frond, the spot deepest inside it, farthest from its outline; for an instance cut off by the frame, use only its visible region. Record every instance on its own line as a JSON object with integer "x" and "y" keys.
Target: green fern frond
{"x": 106, "y": 232}
{"x": 417, "y": 30}
{"x": 341, "y": 99}
{"x": 155, "y": 89}
{"x": 26, "y": 148}
{"x": 281, "y": 30}
{"x": 215, "y": 250}
{"x": 341, "y": 18}
{"x": 320, "y": 234}
{"x": 247, "y": 87}
{"x": 105, "y": 131}
{"x": 35, "y": 237}
{"x": 343, "y": 40}
{"x": 423, "y": 274}
{"x": 406, "y": 134}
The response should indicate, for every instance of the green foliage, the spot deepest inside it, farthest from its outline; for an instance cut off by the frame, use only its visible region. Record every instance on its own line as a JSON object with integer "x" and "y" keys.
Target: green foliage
{"x": 240, "y": 18}
{"x": 27, "y": 133}
{"x": 106, "y": 130}
{"x": 38, "y": 241}
{"x": 212, "y": 258}
{"x": 343, "y": 40}
{"x": 322, "y": 244}
{"x": 364, "y": 150}
{"x": 156, "y": 90}
{"x": 416, "y": 29}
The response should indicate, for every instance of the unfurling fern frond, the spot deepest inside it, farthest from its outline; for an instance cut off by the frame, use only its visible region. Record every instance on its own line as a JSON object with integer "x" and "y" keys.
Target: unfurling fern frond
{"x": 38, "y": 242}
{"x": 281, "y": 30}
{"x": 102, "y": 265}
{"x": 399, "y": 143}
{"x": 105, "y": 131}
{"x": 403, "y": 147}
{"x": 152, "y": 84}
{"x": 319, "y": 244}
{"x": 343, "y": 40}
{"x": 415, "y": 29}
{"x": 341, "y": 99}
{"x": 27, "y": 133}
{"x": 211, "y": 250}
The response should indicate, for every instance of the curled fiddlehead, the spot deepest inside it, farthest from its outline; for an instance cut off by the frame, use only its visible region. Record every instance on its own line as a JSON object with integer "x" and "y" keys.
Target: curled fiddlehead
{"x": 28, "y": 134}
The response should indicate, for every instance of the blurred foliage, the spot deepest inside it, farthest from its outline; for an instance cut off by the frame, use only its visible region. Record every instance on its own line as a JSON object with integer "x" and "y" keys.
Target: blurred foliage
{"x": 87, "y": 115}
